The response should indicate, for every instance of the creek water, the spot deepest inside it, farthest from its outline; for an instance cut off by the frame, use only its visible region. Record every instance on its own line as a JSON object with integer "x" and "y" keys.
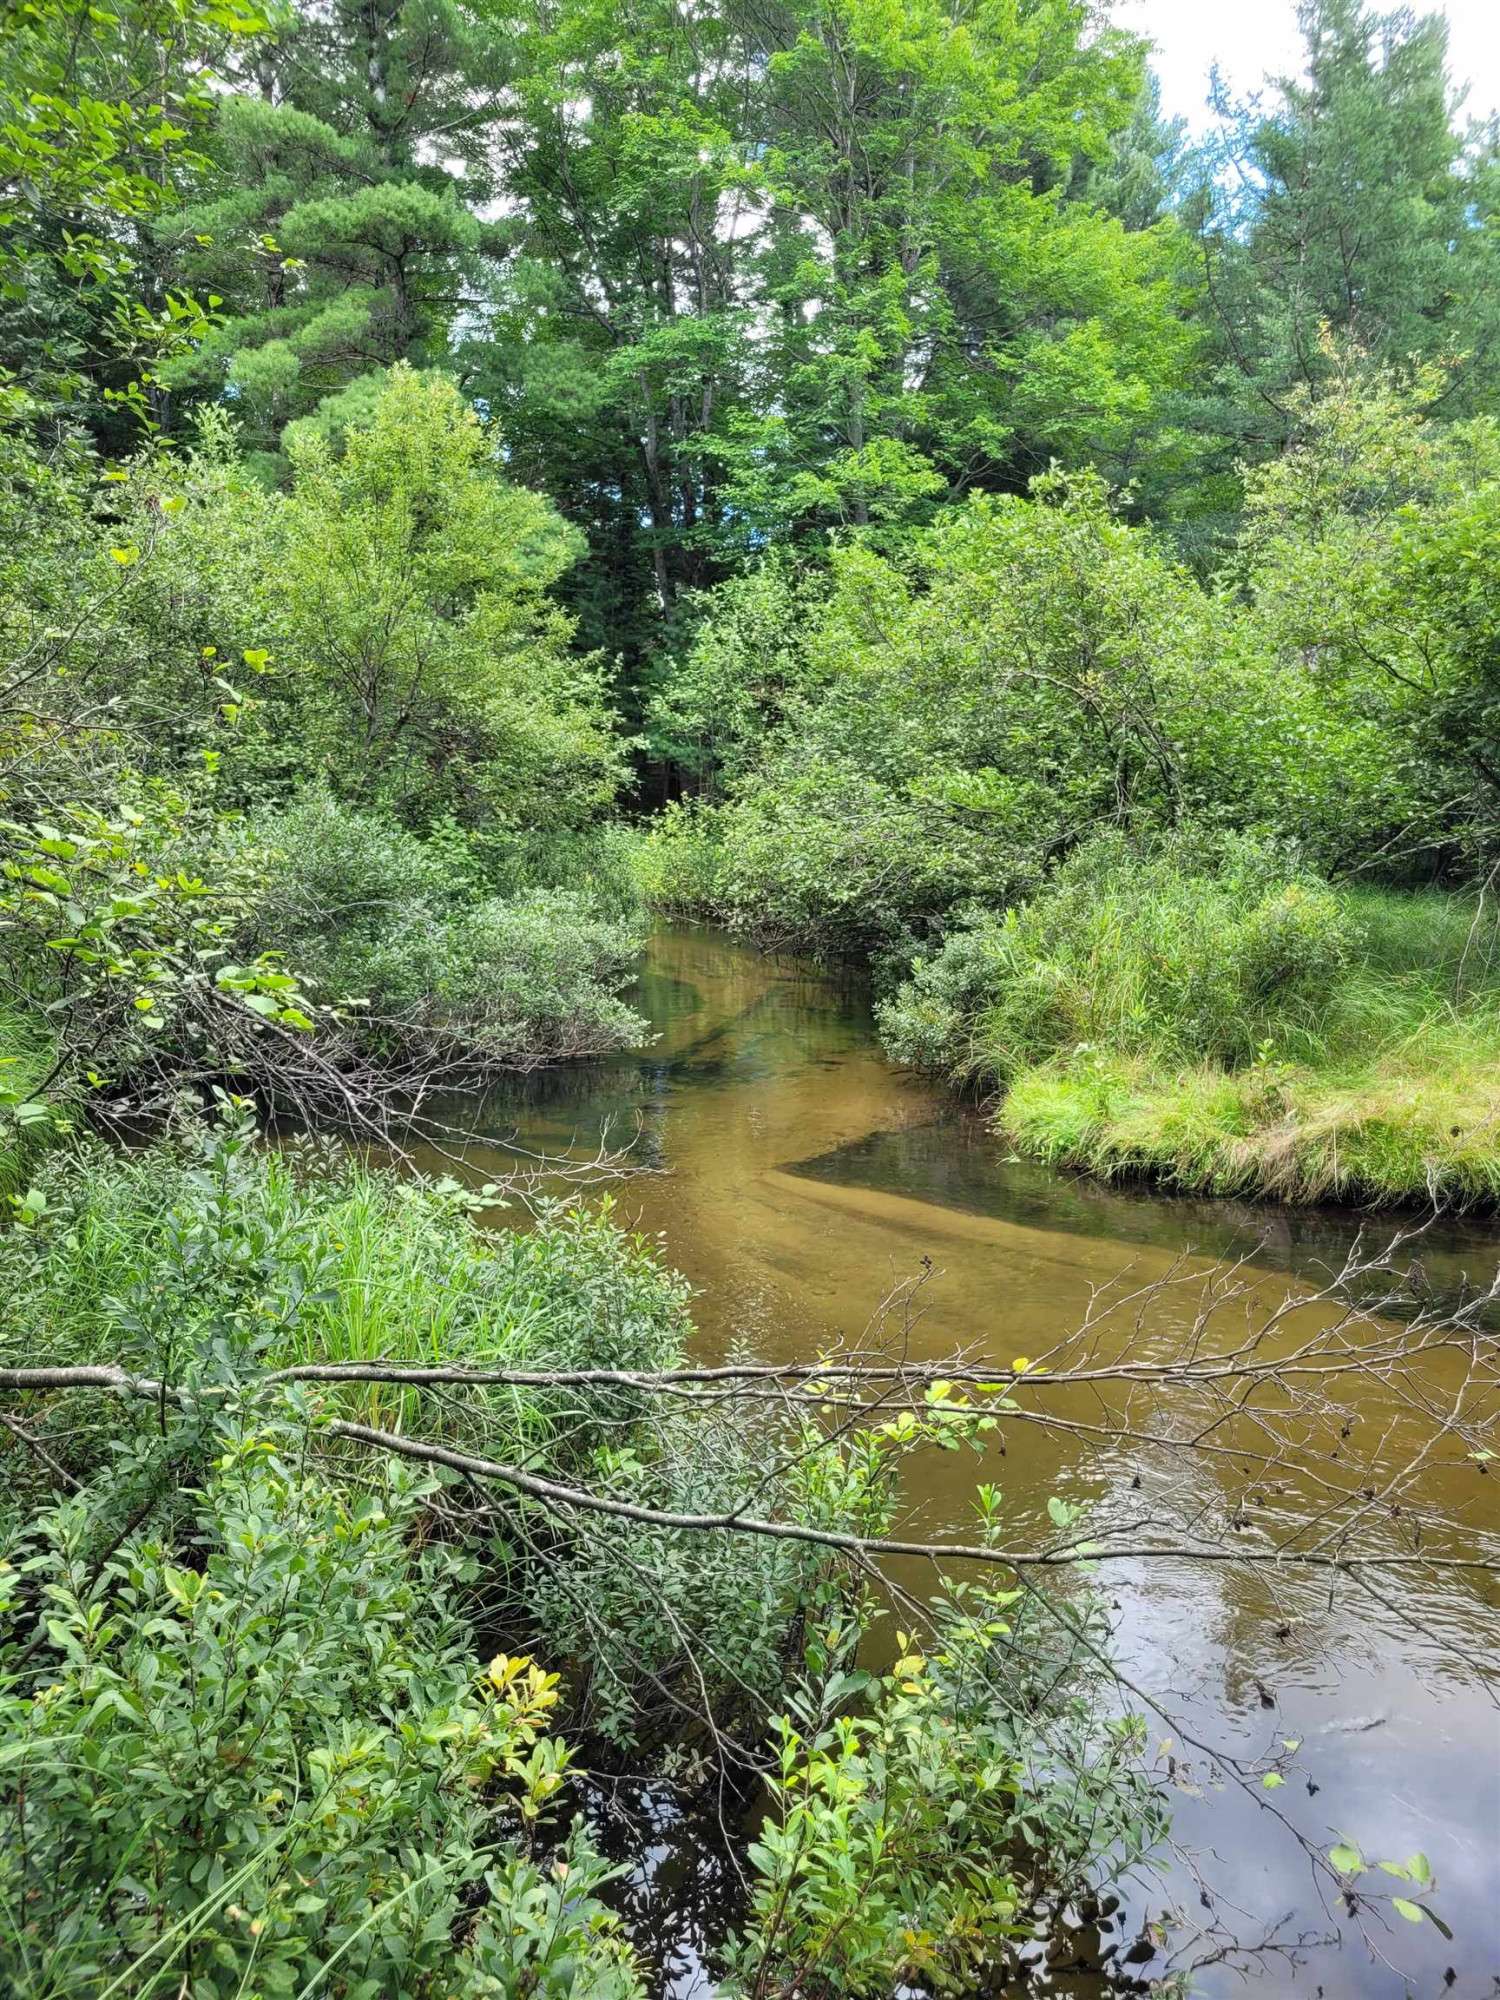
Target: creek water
{"x": 798, "y": 1178}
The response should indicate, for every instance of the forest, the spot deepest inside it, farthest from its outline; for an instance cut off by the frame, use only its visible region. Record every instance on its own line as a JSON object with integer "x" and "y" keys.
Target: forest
{"x": 487, "y": 492}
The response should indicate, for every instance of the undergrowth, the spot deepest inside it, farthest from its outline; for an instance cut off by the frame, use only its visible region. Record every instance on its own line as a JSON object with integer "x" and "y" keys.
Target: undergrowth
{"x": 1234, "y": 1026}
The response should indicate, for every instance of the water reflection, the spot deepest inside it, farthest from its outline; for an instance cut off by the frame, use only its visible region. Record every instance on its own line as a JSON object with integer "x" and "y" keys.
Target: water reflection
{"x": 801, "y": 1178}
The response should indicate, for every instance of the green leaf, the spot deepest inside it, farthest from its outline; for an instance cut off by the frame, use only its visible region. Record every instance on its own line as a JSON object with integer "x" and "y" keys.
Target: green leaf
{"x": 1271, "y": 1780}
{"x": 1347, "y": 1860}
{"x": 1411, "y": 1911}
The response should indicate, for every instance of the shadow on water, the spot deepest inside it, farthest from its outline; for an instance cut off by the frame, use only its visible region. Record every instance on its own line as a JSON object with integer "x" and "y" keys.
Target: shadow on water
{"x": 797, "y": 1178}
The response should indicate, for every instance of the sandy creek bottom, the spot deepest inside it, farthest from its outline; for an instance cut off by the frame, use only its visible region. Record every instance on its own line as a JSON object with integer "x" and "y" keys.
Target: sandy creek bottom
{"x": 802, "y": 1176}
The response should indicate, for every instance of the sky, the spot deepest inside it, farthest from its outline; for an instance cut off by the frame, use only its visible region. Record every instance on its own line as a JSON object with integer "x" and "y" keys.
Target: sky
{"x": 1248, "y": 38}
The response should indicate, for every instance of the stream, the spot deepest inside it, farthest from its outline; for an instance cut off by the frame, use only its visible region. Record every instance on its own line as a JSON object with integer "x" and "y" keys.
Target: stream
{"x": 802, "y": 1178}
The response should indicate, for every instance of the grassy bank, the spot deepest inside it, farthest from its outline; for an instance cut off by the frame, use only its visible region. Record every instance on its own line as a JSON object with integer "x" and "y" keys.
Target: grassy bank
{"x": 1250, "y": 1031}
{"x": 1392, "y": 1132}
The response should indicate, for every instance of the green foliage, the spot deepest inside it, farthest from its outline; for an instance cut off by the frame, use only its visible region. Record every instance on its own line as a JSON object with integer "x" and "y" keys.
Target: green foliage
{"x": 292, "y": 1772}
{"x": 658, "y": 1625}
{"x": 773, "y": 276}
{"x": 915, "y": 1813}
{"x": 272, "y": 1763}
{"x": 745, "y": 660}
{"x": 1354, "y": 199}
{"x": 110, "y": 930}
{"x": 942, "y": 729}
{"x": 397, "y": 933}
{"x": 672, "y": 1628}
{"x": 149, "y": 1257}
{"x": 943, "y": 311}
{"x": 963, "y": 713}
{"x": 1369, "y": 549}
{"x": 1132, "y": 952}
{"x": 386, "y": 625}
{"x": 431, "y": 670}
{"x": 335, "y": 215}
{"x": 681, "y": 864}
{"x": 101, "y": 116}
{"x": 1246, "y": 1031}
{"x": 204, "y": 644}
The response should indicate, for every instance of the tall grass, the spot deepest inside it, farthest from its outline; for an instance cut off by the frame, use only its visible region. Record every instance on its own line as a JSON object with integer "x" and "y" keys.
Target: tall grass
{"x": 26, "y": 1060}
{"x": 1241, "y": 1029}
{"x": 152, "y": 1261}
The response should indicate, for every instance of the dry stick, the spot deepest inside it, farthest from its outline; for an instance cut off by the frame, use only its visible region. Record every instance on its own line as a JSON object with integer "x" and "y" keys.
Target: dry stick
{"x": 552, "y": 1493}
{"x": 109, "y": 1376}
{"x": 59, "y": 1472}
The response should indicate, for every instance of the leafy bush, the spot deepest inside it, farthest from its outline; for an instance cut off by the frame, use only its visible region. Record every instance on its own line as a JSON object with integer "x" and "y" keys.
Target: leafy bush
{"x": 599, "y": 862}
{"x": 936, "y": 727}
{"x": 262, "y": 1759}
{"x": 427, "y": 668}
{"x": 271, "y": 1667}
{"x": 1132, "y": 951}
{"x": 715, "y": 701}
{"x": 1366, "y": 564}
{"x": 161, "y": 1257}
{"x": 676, "y": 1631}
{"x": 401, "y": 928}
{"x": 385, "y": 627}
{"x": 681, "y": 865}
{"x": 115, "y": 933}
{"x": 918, "y": 1814}
{"x": 671, "y": 1633}
{"x": 947, "y": 720}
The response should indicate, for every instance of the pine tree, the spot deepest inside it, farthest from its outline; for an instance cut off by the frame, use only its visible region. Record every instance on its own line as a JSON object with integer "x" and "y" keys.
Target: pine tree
{"x": 340, "y": 222}
{"x": 1357, "y": 204}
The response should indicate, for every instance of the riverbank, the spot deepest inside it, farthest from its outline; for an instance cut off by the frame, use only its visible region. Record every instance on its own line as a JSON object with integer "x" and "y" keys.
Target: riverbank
{"x": 1397, "y": 1135}
{"x": 1361, "y": 1065}
{"x": 1210, "y": 1016}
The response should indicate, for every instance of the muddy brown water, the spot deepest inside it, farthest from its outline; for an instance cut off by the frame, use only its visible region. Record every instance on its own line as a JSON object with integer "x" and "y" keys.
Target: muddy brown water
{"x": 800, "y": 1178}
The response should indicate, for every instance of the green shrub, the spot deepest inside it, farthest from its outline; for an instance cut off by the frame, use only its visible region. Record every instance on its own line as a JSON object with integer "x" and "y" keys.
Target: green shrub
{"x": 424, "y": 666}
{"x": 714, "y": 700}
{"x": 537, "y": 979}
{"x": 681, "y": 864}
{"x": 599, "y": 863}
{"x": 402, "y": 930}
{"x": 672, "y": 1629}
{"x": 666, "y": 1632}
{"x": 261, "y": 1759}
{"x": 1132, "y": 951}
{"x": 290, "y": 1769}
{"x": 944, "y": 721}
{"x": 155, "y": 1258}
{"x": 918, "y": 1814}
